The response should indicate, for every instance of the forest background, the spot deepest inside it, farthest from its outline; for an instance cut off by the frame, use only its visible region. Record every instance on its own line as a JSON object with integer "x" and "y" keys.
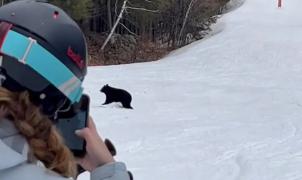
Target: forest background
{"x": 128, "y": 31}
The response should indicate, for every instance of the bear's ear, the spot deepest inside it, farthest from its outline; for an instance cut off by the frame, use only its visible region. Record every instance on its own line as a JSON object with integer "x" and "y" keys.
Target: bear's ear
{"x": 106, "y": 85}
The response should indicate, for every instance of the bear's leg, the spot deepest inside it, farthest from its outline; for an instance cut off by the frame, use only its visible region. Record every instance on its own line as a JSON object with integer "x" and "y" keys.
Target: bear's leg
{"x": 107, "y": 102}
{"x": 127, "y": 105}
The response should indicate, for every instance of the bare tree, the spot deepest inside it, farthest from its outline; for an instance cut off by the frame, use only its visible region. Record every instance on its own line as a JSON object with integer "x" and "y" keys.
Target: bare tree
{"x": 185, "y": 20}
{"x": 115, "y": 25}
{"x": 117, "y": 22}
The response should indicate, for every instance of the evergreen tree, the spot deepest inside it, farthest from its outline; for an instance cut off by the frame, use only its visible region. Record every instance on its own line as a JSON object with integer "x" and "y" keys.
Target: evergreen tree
{"x": 77, "y": 9}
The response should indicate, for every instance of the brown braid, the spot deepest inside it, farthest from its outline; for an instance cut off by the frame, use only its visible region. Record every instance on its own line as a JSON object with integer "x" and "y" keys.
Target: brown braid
{"x": 45, "y": 142}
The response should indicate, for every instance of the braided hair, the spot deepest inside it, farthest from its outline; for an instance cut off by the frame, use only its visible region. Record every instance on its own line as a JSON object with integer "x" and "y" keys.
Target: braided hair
{"x": 44, "y": 140}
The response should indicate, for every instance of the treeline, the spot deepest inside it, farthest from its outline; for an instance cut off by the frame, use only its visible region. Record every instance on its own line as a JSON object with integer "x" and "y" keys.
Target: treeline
{"x": 140, "y": 30}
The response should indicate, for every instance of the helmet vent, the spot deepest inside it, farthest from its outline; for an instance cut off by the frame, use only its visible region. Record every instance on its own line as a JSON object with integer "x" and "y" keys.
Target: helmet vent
{"x": 42, "y": 96}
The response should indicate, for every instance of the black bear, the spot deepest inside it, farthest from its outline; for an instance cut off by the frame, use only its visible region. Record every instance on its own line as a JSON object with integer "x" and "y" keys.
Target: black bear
{"x": 117, "y": 95}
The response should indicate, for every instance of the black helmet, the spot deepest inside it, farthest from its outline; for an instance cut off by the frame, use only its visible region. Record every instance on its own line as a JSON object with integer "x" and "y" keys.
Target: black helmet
{"x": 43, "y": 51}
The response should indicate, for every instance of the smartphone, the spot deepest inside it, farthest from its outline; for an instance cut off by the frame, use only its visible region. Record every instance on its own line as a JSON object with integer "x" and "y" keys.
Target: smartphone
{"x": 70, "y": 121}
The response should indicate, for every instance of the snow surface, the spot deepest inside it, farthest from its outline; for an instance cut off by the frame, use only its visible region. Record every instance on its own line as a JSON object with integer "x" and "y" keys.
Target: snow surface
{"x": 225, "y": 108}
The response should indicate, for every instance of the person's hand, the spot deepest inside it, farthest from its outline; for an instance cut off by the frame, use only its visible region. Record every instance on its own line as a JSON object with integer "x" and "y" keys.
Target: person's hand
{"x": 97, "y": 153}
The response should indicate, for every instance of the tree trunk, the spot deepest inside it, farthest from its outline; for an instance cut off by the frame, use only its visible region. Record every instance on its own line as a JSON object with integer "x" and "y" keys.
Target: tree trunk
{"x": 185, "y": 21}
{"x": 115, "y": 25}
{"x": 109, "y": 14}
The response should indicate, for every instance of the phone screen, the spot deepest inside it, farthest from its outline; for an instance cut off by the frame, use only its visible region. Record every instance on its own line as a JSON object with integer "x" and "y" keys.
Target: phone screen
{"x": 68, "y": 126}
{"x": 72, "y": 120}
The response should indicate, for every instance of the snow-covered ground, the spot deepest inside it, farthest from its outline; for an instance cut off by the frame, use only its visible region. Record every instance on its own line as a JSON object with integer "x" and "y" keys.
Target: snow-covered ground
{"x": 225, "y": 108}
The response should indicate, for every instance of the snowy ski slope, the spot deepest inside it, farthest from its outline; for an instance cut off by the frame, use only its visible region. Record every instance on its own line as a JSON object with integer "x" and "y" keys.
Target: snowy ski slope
{"x": 228, "y": 107}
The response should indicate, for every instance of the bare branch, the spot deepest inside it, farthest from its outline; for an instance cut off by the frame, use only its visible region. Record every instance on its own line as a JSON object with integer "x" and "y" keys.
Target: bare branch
{"x": 142, "y": 9}
{"x": 128, "y": 29}
{"x": 115, "y": 7}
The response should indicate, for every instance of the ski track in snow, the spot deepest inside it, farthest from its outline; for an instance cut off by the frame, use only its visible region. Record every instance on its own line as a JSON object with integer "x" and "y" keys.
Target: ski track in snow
{"x": 226, "y": 107}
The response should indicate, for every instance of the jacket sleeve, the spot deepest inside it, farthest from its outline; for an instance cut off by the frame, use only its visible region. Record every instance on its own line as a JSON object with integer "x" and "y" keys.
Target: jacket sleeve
{"x": 111, "y": 171}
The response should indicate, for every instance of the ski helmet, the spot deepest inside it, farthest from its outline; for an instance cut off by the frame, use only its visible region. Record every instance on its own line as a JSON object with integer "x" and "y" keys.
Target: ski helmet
{"x": 42, "y": 51}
